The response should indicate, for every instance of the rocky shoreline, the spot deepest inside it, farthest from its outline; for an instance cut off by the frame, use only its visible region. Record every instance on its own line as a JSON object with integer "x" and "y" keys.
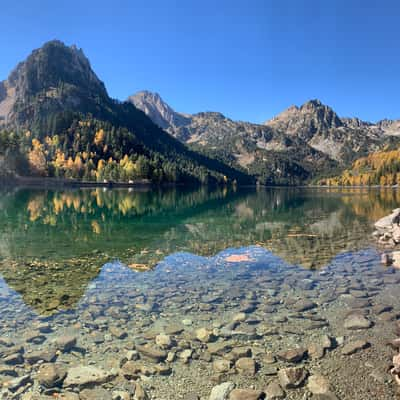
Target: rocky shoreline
{"x": 211, "y": 330}
{"x": 387, "y": 234}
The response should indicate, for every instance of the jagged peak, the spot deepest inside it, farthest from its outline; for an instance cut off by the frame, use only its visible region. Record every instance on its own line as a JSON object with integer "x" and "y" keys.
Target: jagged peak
{"x": 159, "y": 111}
{"x": 314, "y": 103}
{"x": 146, "y": 93}
{"x": 52, "y": 63}
{"x": 210, "y": 114}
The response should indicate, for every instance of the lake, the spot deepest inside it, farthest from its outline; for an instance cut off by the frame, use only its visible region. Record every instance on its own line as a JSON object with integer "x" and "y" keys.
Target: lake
{"x": 182, "y": 290}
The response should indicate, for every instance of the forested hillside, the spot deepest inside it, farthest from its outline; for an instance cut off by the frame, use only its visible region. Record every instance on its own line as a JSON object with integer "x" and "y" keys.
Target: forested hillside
{"x": 94, "y": 150}
{"x": 57, "y": 120}
{"x": 379, "y": 168}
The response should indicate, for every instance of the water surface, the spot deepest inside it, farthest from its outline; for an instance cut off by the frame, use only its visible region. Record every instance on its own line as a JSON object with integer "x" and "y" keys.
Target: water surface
{"x": 71, "y": 260}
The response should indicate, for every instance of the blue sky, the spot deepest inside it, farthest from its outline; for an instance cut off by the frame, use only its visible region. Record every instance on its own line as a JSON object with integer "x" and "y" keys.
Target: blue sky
{"x": 248, "y": 59}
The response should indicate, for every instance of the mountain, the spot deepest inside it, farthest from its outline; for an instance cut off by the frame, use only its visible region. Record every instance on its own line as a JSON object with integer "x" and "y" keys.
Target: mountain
{"x": 52, "y": 79}
{"x": 56, "y": 112}
{"x": 255, "y": 149}
{"x": 342, "y": 139}
{"x": 309, "y": 140}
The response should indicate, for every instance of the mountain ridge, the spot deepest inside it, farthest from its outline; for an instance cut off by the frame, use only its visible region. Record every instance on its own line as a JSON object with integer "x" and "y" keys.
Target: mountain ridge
{"x": 312, "y": 130}
{"x": 67, "y": 124}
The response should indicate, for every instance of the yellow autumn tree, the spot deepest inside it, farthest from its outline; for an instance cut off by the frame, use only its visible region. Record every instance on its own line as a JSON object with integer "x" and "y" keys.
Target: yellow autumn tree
{"x": 99, "y": 137}
{"x": 37, "y": 159}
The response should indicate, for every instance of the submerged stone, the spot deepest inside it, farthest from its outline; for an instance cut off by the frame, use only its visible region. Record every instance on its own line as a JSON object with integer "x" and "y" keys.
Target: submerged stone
{"x": 85, "y": 375}
{"x": 357, "y": 321}
{"x": 291, "y": 378}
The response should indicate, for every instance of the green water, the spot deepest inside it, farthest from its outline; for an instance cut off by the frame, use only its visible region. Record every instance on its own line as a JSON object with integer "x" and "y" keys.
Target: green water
{"x": 304, "y": 226}
{"x": 53, "y": 243}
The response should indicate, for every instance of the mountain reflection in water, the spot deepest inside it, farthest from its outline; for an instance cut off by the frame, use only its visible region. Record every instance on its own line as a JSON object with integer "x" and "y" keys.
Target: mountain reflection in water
{"x": 54, "y": 243}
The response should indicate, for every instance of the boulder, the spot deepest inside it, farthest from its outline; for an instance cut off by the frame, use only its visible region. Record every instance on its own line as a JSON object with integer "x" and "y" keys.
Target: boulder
{"x": 353, "y": 347}
{"x": 274, "y": 391}
{"x": 164, "y": 341}
{"x": 291, "y": 378}
{"x": 204, "y": 335}
{"x": 317, "y": 384}
{"x": 222, "y": 391}
{"x": 95, "y": 394}
{"x": 293, "y": 355}
{"x": 221, "y": 366}
{"x": 85, "y": 375}
{"x": 51, "y": 375}
{"x": 152, "y": 353}
{"x": 66, "y": 343}
{"x": 245, "y": 394}
{"x": 357, "y": 321}
{"x": 246, "y": 366}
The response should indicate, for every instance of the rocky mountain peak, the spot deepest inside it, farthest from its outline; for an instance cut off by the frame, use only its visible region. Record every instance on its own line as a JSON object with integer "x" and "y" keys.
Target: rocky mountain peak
{"x": 305, "y": 121}
{"x": 158, "y": 110}
{"x": 214, "y": 115}
{"x": 54, "y": 77}
{"x": 314, "y": 103}
{"x": 52, "y": 64}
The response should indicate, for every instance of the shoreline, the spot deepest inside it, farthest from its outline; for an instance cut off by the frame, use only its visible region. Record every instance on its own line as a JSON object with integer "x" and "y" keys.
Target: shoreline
{"x": 144, "y": 183}
{"x": 71, "y": 183}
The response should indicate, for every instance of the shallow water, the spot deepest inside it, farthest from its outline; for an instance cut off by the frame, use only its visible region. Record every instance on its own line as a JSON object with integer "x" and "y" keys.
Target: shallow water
{"x": 238, "y": 263}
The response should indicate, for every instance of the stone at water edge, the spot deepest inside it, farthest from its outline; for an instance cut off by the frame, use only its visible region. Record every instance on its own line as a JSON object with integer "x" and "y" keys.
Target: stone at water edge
{"x": 246, "y": 366}
{"x": 396, "y": 259}
{"x": 221, "y": 366}
{"x": 191, "y": 396}
{"x": 316, "y": 351}
{"x": 204, "y": 335}
{"x": 353, "y": 347}
{"x": 396, "y": 234}
{"x": 293, "y": 355}
{"x": 66, "y": 343}
{"x": 41, "y": 355}
{"x": 304, "y": 305}
{"x": 240, "y": 317}
{"x": 85, "y": 375}
{"x": 274, "y": 391}
{"x": 386, "y": 259}
{"x": 386, "y": 222}
{"x": 291, "y": 378}
{"x": 357, "y": 321}
{"x": 222, "y": 391}
{"x": 245, "y": 394}
{"x": 151, "y": 353}
{"x": 121, "y": 395}
{"x": 164, "y": 341}
{"x": 68, "y": 396}
{"x": 328, "y": 342}
{"x": 118, "y": 332}
{"x": 140, "y": 393}
{"x": 317, "y": 384}
{"x": 95, "y": 394}
{"x": 186, "y": 355}
{"x": 240, "y": 352}
{"x": 394, "y": 344}
{"x": 51, "y": 375}
{"x": 219, "y": 348}
{"x": 16, "y": 383}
